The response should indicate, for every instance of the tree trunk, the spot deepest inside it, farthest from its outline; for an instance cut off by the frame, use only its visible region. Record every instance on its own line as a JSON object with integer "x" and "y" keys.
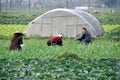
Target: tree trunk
{"x": 6, "y": 5}
{"x": 40, "y": 3}
{"x": 0, "y": 6}
{"x": 66, "y": 3}
{"x": 58, "y": 3}
{"x": 118, "y": 3}
{"x": 89, "y": 4}
{"x": 20, "y": 5}
{"x": 10, "y": 5}
{"x": 29, "y": 5}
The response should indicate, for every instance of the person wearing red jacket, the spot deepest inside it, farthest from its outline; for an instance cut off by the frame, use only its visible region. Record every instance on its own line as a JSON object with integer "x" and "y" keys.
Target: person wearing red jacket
{"x": 55, "y": 40}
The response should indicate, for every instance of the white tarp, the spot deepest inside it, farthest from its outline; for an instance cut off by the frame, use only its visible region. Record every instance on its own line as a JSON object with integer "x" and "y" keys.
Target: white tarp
{"x": 64, "y": 21}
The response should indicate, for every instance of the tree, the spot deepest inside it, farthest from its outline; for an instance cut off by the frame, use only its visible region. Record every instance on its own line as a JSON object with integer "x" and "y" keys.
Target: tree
{"x": 11, "y": 2}
{"x": 118, "y": 3}
{"x": 6, "y": 4}
{"x": 40, "y": 3}
{"x": 0, "y": 6}
{"x": 59, "y": 3}
{"x": 67, "y": 3}
{"x": 89, "y": 4}
{"x": 20, "y": 5}
{"x": 29, "y": 5}
{"x": 109, "y": 3}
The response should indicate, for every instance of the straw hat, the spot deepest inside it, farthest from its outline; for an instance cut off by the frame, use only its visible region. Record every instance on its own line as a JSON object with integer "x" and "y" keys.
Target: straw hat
{"x": 18, "y": 33}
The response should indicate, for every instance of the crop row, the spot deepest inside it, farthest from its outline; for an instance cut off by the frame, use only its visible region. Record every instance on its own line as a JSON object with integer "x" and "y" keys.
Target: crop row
{"x": 25, "y": 18}
{"x": 6, "y": 31}
{"x": 54, "y": 69}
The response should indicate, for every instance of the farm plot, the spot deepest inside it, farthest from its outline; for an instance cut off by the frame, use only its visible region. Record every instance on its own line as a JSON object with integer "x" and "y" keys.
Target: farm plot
{"x": 37, "y": 48}
{"x": 6, "y": 31}
{"x": 65, "y": 69}
{"x": 99, "y": 60}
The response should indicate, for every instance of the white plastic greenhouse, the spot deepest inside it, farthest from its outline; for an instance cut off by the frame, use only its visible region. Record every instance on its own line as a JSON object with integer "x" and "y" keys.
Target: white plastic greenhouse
{"x": 64, "y": 21}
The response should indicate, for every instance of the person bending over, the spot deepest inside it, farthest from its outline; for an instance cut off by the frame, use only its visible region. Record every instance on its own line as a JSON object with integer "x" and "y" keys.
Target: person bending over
{"x": 55, "y": 40}
{"x": 16, "y": 42}
{"x": 86, "y": 36}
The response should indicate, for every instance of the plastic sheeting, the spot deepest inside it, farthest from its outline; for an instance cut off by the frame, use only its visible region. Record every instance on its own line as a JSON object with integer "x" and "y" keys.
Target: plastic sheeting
{"x": 64, "y": 21}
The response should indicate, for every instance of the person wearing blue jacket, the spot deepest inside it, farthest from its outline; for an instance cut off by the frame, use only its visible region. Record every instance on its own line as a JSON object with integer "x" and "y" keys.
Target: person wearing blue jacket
{"x": 86, "y": 36}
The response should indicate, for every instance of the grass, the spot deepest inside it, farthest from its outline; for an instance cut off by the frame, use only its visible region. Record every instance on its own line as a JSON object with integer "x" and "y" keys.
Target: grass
{"x": 110, "y": 28}
{"x": 37, "y": 48}
{"x": 25, "y": 17}
{"x": 17, "y": 18}
{"x": 99, "y": 60}
{"x": 6, "y": 31}
{"x": 108, "y": 18}
{"x": 73, "y": 61}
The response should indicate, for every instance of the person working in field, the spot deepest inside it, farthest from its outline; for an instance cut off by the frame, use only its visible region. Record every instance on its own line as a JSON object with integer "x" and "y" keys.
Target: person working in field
{"x": 55, "y": 40}
{"x": 16, "y": 42}
{"x": 86, "y": 36}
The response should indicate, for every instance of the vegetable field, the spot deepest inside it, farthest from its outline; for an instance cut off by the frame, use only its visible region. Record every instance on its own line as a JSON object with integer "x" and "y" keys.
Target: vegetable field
{"x": 100, "y": 60}
{"x": 37, "y": 48}
{"x": 6, "y": 31}
{"x": 65, "y": 69}
{"x": 73, "y": 61}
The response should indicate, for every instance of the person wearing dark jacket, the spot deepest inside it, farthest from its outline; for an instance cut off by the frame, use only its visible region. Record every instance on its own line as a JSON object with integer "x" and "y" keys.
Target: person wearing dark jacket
{"x": 55, "y": 40}
{"x": 16, "y": 42}
{"x": 86, "y": 36}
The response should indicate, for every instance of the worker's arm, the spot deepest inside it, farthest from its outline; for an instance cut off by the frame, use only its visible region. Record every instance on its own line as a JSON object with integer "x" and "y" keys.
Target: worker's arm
{"x": 79, "y": 37}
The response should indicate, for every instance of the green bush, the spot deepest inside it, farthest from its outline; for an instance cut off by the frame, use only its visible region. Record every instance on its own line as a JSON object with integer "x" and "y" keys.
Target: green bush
{"x": 108, "y": 18}
{"x": 25, "y": 18}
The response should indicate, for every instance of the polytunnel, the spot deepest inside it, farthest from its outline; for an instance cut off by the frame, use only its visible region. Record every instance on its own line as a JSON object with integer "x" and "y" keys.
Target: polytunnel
{"x": 64, "y": 21}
